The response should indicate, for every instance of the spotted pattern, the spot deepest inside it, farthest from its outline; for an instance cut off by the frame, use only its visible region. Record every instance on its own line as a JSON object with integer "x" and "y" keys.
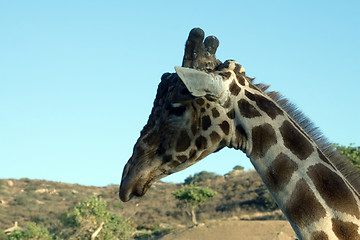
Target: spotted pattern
{"x": 200, "y": 101}
{"x": 234, "y": 89}
{"x": 231, "y": 114}
{"x": 300, "y": 129}
{"x": 295, "y": 141}
{"x": 266, "y": 105}
{"x": 225, "y": 75}
{"x": 215, "y": 137}
{"x": 182, "y": 158}
{"x": 215, "y": 113}
{"x": 333, "y": 190}
{"x": 183, "y": 142}
{"x": 263, "y": 137}
{"x": 205, "y": 122}
{"x": 192, "y": 153}
{"x": 303, "y": 207}
{"x": 237, "y": 68}
{"x": 345, "y": 230}
{"x": 241, "y": 79}
{"x": 319, "y": 235}
{"x": 201, "y": 143}
{"x": 247, "y": 110}
{"x": 279, "y": 173}
{"x": 225, "y": 127}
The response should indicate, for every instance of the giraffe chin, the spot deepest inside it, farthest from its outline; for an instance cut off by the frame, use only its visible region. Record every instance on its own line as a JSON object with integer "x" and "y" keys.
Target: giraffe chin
{"x": 130, "y": 189}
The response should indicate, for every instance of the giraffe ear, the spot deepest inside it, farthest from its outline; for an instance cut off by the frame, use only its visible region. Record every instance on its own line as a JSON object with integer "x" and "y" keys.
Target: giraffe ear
{"x": 200, "y": 83}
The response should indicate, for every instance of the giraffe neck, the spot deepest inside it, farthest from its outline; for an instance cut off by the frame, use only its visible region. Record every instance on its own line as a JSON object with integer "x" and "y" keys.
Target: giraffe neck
{"x": 316, "y": 198}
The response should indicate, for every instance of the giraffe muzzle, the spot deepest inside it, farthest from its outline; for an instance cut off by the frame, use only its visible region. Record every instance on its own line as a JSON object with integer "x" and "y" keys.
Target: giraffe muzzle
{"x": 135, "y": 182}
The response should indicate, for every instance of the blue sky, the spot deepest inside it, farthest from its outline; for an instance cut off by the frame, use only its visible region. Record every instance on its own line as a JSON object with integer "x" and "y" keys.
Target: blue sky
{"x": 78, "y": 78}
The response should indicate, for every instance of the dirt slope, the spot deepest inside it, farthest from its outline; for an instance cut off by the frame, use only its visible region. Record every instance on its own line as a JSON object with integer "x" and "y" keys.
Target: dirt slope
{"x": 233, "y": 230}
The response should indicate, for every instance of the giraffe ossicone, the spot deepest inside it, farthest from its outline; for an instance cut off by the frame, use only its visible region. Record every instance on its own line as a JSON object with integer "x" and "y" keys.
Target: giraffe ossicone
{"x": 207, "y": 105}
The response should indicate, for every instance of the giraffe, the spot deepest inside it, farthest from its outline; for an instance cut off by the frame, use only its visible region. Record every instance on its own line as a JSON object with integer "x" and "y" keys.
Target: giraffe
{"x": 208, "y": 105}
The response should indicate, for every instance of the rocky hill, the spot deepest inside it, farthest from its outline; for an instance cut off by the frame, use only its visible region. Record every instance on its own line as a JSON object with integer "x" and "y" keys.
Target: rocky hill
{"x": 241, "y": 195}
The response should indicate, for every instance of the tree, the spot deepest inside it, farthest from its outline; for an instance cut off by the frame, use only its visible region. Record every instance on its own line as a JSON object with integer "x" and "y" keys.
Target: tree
{"x": 238, "y": 167}
{"x": 32, "y": 231}
{"x": 90, "y": 219}
{"x": 199, "y": 177}
{"x": 351, "y": 152}
{"x": 194, "y": 196}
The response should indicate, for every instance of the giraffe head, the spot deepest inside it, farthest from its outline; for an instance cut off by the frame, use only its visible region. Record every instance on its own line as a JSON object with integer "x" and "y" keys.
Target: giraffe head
{"x": 190, "y": 119}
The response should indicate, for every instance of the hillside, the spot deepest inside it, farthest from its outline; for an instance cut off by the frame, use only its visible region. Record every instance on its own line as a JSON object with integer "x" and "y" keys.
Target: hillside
{"x": 241, "y": 195}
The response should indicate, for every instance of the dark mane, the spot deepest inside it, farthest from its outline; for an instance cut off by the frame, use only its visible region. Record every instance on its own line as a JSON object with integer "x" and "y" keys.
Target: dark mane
{"x": 328, "y": 148}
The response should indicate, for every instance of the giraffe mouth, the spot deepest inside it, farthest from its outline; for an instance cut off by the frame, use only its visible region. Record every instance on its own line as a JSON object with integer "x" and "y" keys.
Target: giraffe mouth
{"x": 137, "y": 189}
{"x": 135, "y": 183}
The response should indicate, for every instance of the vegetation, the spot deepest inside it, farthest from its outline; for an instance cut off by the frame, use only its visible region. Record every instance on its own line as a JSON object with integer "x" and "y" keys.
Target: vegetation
{"x": 86, "y": 220}
{"x": 91, "y": 218}
{"x": 200, "y": 177}
{"x": 264, "y": 198}
{"x": 52, "y": 210}
{"x": 194, "y": 196}
{"x": 351, "y": 152}
{"x": 32, "y": 231}
{"x": 3, "y": 235}
{"x": 238, "y": 167}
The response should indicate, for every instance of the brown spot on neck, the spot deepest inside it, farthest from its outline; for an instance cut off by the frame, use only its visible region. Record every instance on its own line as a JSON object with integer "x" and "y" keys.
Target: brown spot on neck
{"x": 234, "y": 89}
{"x": 303, "y": 209}
{"x": 333, "y": 190}
{"x": 225, "y": 75}
{"x": 240, "y": 78}
{"x": 266, "y": 105}
{"x": 319, "y": 235}
{"x": 278, "y": 175}
{"x": 345, "y": 230}
{"x": 247, "y": 110}
{"x": 263, "y": 137}
{"x": 295, "y": 141}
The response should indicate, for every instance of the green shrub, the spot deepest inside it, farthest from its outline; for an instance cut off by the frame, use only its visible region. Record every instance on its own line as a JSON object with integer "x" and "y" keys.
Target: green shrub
{"x": 266, "y": 200}
{"x": 194, "y": 196}
{"x": 351, "y": 152}
{"x": 238, "y": 167}
{"x": 88, "y": 215}
{"x": 200, "y": 177}
{"x": 32, "y": 231}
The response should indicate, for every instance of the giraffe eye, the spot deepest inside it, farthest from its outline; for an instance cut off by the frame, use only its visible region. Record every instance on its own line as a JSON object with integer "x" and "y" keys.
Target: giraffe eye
{"x": 177, "y": 109}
